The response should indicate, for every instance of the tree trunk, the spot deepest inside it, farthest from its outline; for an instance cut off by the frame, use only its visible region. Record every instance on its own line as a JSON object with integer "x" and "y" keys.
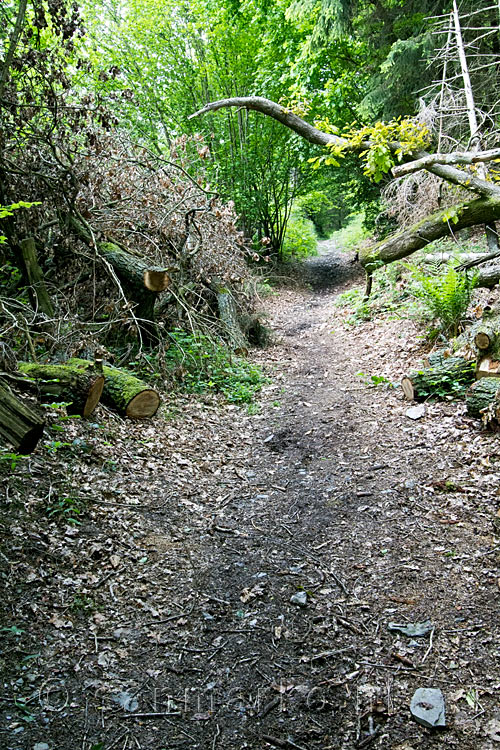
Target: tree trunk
{"x": 440, "y": 258}
{"x": 439, "y": 380}
{"x": 82, "y": 389}
{"x": 434, "y": 226}
{"x": 34, "y": 273}
{"x": 20, "y": 425}
{"x": 228, "y": 315}
{"x": 481, "y": 395}
{"x": 142, "y": 280}
{"x": 124, "y": 392}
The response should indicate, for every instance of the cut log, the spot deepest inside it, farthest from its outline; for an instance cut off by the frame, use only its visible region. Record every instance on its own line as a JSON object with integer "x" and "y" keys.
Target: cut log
{"x": 488, "y": 277}
{"x": 133, "y": 270}
{"x": 481, "y": 395}
{"x": 20, "y": 425}
{"x": 485, "y": 335}
{"x": 82, "y": 389}
{"x": 124, "y": 392}
{"x": 441, "y": 380}
{"x": 436, "y": 259}
{"x": 142, "y": 281}
{"x": 35, "y": 277}
{"x": 482, "y": 339}
{"x": 488, "y": 368}
{"x": 437, "y": 358}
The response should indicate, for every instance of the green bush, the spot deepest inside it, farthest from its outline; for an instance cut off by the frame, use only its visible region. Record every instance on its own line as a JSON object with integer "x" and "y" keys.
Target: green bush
{"x": 446, "y": 294}
{"x": 202, "y": 365}
{"x": 300, "y": 239}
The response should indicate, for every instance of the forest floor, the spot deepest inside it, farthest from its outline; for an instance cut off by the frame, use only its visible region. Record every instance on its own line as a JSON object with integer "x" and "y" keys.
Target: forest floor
{"x": 232, "y": 578}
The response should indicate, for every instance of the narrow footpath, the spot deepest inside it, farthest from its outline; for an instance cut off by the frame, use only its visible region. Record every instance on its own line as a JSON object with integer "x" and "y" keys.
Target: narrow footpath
{"x": 245, "y": 568}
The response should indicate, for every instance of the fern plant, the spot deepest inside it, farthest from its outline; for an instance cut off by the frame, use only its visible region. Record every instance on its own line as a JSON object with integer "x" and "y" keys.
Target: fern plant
{"x": 446, "y": 294}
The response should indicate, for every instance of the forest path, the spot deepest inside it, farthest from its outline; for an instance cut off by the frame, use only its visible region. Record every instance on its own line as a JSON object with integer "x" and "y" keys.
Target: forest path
{"x": 246, "y": 568}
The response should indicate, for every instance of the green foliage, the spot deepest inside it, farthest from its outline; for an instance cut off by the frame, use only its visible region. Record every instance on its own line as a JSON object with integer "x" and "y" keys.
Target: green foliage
{"x": 318, "y": 208}
{"x": 446, "y": 295}
{"x": 375, "y": 380}
{"x": 9, "y": 210}
{"x": 300, "y": 239}
{"x": 202, "y": 364}
{"x": 350, "y": 236}
{"x": 447, "y": 385}
{"x": 10, "y": 458}
{"x": 67, "y": 509}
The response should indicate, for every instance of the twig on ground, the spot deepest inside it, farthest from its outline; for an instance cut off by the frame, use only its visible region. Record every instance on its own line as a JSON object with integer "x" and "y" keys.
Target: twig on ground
{"x": 431, "y": 638}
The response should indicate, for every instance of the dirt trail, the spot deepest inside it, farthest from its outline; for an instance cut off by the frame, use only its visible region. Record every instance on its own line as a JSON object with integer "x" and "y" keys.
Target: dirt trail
{"x": 259, "y": 560}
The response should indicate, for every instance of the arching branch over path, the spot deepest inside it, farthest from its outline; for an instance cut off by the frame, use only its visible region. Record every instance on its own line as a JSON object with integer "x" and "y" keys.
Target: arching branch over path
{"x": 479, "y": 210}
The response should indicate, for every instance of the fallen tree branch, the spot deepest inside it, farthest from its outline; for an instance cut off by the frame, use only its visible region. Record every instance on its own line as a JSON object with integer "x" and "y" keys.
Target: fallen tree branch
{"x": 456, "y": 157}
{"x": 434, "y": 226}
{"x": 320, "y": 138}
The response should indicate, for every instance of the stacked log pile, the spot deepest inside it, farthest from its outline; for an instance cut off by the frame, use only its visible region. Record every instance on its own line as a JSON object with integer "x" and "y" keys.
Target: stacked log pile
{"x": 475, "y": 364}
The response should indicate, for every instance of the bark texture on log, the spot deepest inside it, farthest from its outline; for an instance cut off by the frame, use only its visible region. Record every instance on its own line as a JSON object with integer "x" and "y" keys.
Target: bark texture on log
{"x": 481, "y": 395}
{"x": 133, "y": 270}
{"x": 440, "y": 258}
{"x": 81, "y": 388}
{"x": 488, "y": 368}
{"x": 141, "y": 280}
{"x": 124, "y": 392}
{"x": 439, "y": 380}
{"x": 434, "y": 226}
{"x": 20, "y": 425}
{"x": 228, "y": 315}
{"x": 488, "y": 277}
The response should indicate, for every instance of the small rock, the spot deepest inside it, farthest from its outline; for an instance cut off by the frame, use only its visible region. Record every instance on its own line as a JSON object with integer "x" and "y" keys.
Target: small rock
{"x": 416, "y": 412}
{"x": 127, "y": 701}
{"x": 299, "y": 598}
{"x": 413, "y": 629}
{"x": 41, "y": 746}
{"x": 427, "y": 707}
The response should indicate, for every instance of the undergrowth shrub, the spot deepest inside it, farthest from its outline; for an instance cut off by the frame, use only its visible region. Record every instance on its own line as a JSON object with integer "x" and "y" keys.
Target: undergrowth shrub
{"x": 352, "y": 234}
{"x": 300, "y": 239}
{"x": 202, "y": 364}
{"x": 318, "y": 208}
{"x": 446, "y": 294}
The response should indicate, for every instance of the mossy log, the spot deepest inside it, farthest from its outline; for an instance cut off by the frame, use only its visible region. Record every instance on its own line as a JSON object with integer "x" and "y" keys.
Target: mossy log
{"x": 438, "y": 380}
{"x": 142, "y": 280}
{"x": 484, "y": 394}
{"x": 402, "y": 244}
{"x": 123, "y": 392}
{"x": 20, "y": 425}
{"x": 82, "y": 389}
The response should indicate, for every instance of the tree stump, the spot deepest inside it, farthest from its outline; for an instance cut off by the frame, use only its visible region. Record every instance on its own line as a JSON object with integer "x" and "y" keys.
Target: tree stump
{"x": 20, "y": 425}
